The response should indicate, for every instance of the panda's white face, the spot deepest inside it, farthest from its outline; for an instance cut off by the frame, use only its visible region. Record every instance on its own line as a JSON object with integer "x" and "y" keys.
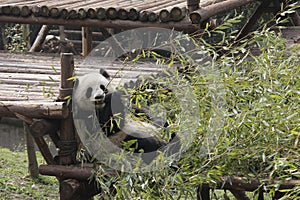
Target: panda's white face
{"x": 90, "y": 90}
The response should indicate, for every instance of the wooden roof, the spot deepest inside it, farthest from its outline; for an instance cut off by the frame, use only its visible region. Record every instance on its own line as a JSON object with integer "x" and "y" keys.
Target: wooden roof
{"x": 144, "y": 10}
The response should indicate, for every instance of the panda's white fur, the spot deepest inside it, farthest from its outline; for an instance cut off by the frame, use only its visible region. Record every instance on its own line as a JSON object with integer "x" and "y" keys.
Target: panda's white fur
{"x": 86, "y": 93}
{"x": 94, "y": 83}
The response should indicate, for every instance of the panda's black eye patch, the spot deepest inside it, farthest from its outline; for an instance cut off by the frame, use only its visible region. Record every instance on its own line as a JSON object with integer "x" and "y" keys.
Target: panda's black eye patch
{"x": 102, "y": 87}
{"x": 88, "y": 93}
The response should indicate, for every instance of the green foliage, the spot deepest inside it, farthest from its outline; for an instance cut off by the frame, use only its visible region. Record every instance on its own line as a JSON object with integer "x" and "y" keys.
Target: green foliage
{"x": 15, "y": 38}
{"x": 260, "y": 114}
{"x": 15, "y": 182}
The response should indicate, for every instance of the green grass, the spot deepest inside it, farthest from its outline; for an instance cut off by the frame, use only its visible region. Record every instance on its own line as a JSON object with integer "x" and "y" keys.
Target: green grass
{"x": 15, "y": 182}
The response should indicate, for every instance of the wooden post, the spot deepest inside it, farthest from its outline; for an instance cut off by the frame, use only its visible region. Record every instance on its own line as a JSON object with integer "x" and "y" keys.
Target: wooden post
{"x": 67, "y": 143}
{"x": 86, "y": 40}
{"x": 32, "y": 161}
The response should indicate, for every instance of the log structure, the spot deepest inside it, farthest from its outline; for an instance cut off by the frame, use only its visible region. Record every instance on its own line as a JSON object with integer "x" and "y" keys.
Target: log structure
{"x": 35, "y": 87}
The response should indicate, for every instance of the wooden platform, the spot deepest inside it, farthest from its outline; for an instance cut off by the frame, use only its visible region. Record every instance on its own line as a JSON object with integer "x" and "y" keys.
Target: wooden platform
{"x": 32, "y": 80}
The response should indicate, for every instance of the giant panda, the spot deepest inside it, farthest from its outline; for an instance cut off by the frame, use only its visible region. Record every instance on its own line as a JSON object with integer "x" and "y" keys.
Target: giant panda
{"x": 95, "y": 92}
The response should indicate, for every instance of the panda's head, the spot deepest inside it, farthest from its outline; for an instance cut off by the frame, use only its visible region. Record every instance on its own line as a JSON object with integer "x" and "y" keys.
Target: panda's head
{"x": 90, "y": 90}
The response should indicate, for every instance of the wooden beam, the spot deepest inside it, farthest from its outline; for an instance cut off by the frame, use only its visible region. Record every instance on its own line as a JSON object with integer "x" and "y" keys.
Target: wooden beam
{"x": 204, "y": 13}
{"x": 121, "y": 24}
{"x": 53, "y": 110}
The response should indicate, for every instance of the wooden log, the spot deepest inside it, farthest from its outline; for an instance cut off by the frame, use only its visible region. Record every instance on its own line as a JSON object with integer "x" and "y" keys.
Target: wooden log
{"x": 6, "y": 10}
{"x": 54, "y": 12}
{"x": 122, "y": 14}
{"x": 68, "y": 145}
{"x": 65, "y": 172}
{"x": 82, "y": 13}
{"x": 44, "y": 11}
{"x": 52, "y": 110}
{"x": 15, "y": 10}
{"x": 121, "y": 24}
{"x": 25, "y": 11}
{"x": 164, "y": 16}
{"x": 152, "y": 17}
{"x": 72, "y": 172}
{"x": 36, "y": 11}
{"x": 91, "y": 13}
{"x": 100, "y": 13}
{"x": 143, "y": 16}
{"x": 177, "y": 13}
{"x": 209, "y": 2}
{"x": 72, "y": 14}
{"x": 111, "y": 13}
{"x": 133, "y": 14}
{"x": 32, "y": 161}
{"x": 193, "y": 5}
{"x": 64, "y": 13}
{"x": 40, "y": 38}
{"x": 204, "y": 13}
{"x": 44, "y": 149}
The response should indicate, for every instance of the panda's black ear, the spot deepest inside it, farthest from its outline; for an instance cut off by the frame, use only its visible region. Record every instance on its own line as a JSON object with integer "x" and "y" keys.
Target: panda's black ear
{"x": 104, "y": 73}
{"x": 76, "y": 83}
